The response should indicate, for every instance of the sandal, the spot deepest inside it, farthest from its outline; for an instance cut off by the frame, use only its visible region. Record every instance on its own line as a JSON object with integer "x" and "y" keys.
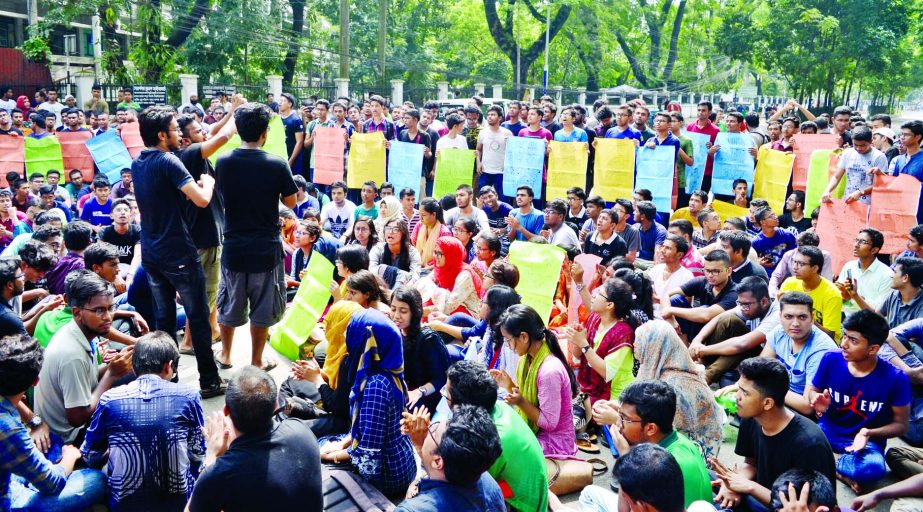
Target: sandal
{"x": 269, "y": 365}
{"x": 223, "y": 366}
{"x": 187, "y": 351}
{"x": 585, "y": 445}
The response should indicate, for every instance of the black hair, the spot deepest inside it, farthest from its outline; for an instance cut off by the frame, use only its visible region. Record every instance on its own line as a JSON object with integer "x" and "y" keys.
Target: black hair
{"x": 497, "y": 109}
{"x": 915, "y": 127}
{"x": 152, "y": 351}
{"x": 493, "y": 242}
{"x": 77, "y": 235}
{"x": 252, "y": 120}
{"x": 85, "y": 287}
{"x": 338, "y": 184}
{"x": 649, "y": 474}
{"x": 706, "y": 104}
{"x": 527, "y": 189}
{"x": 36, "y": 175}
{"x": 8, "y": 269}
{"x": 655, "y": 402}
{"x": 353, "y": 257}
{"x": 407, "y": 191}
{"x": 471, "y": 226}
{"x": 814, "y": 255}
{"x": 289, "y": 97}
{"x": 432, "y": 206}
{"x": 21, "y": 358}
{"x": 916, "y": 233}
{"x": 820, "y": 491}
{"x": 761, "y": 214}
{"x": 683, "y": 225}
{"x": 37, "y": 255}
{"x": 645, "y": 194}
{"x": 99, "y": 253}
{"x": 410, "y": 296}
{"x": 875, "y": 236}
{"x": 718, "y": 255}
{"x": 769, "y": 377}
{"x": 641, "y": 286}
{"x": 251, "y": 400}
{"x": 599, "y": 202}
{"x": 912, "y": 268}
{"x": 101, "y": 181}
{"x": 647, "y": 209}
{"x": 45, "y": 190}
{"x": 52, "y": 171}
{"x": 738, "y": 240}
{"x": 470, "y": 445}
{"x": 809, "y": 127}
{"x": 464, "y": 187}
{"x": 872, "y": 326}
{"x": 619, "y": 293}
{"x": 152, "y": 121}
{"x": 499, "y": 298}
{"x": 862, "y": 133}
{"x": 577, "y": 191}
{"x": 521, "y": 318}
{"x": 453, "y": 120}
{"x": 378, "y": 99}
{"x": 487, "y": 189}
{"x": 682, "y": 246}
{"x": 504, "y": 272}
{"x": 45, "y": 232}
{"x": 472, "y": 384}
{"x": 604, "y": 113}
{"x": 373, "y": 232}
{"x": 755, "y": 286}
{"x": 403, "y": 259}
{"x": 386, "y": 184}
{"x": 795, "y": 299}
{"x": 366, "y": 282}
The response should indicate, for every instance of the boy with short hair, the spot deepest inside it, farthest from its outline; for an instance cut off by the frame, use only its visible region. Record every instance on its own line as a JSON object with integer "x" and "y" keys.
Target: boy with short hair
{"x": 337, "y": 215}
{"x": 98, "y": 209}
{"x": 368, "y": 207}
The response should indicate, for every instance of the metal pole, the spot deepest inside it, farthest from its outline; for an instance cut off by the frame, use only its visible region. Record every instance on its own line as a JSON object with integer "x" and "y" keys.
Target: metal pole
{"x": 344, "y": 39}
{"x": 518, "y": 48}
{"x": 382, "y": 36}
{"x": 547, "y": 39}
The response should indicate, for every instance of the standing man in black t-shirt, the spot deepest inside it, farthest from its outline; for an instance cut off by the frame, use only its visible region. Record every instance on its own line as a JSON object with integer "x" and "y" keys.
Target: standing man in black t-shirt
{"x": 772, "y": 438}
{"x": 252, "y": 182}
{"x": 163, "y": 187}
{"x": 206, "y": 223}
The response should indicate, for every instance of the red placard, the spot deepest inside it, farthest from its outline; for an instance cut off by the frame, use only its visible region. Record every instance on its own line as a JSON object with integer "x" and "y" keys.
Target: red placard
{"x": 12, "y": 156}
{"x": 75, "y": 153}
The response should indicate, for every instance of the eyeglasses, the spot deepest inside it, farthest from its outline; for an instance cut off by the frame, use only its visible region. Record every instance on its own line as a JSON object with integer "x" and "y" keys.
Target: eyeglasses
{"x": 860, "y": 241}
{"x": 714, "y": 271}
{"x": 102, "y": 311}
{"x": 392, "y": 230}
{"x": 746, "y": 305}
{"x": 429, "y": 432}
{"x": 626, "y": 421}
{"x": 438, "y": 253}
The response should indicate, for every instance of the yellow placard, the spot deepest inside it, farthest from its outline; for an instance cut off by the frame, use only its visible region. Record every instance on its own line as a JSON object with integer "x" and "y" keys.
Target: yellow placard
{"x": 728, "y": 210}
{"x": 566, "y": 167}
{"x": 614, "y": 174}
{"x": 366, "y": 159}
{"x": 770, "y": 181}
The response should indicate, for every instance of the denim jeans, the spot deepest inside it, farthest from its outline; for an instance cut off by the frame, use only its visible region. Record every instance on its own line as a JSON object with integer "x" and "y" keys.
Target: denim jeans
{"x": 189, "y": 281}
{"x": 690, "y": 328}
{"x": 863, "y": 467}
{"x": 84, "y": 488}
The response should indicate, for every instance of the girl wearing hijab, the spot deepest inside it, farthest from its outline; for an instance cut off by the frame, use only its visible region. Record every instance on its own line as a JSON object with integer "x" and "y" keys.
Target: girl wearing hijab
{"x": 430, "y": 228}
{"x": 395, "y": 255}
{"x": 546, "y": 384}
{"x": 460, "y": 285}
{"x": 375, "y": 446}
{"x": 425, "y": 357}
{"x": 388, "y": 208}
{"x": 663, "y": 356}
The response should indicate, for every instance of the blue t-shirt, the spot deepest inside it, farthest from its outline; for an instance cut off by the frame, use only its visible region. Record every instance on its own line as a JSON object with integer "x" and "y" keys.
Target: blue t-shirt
{"x": 514, "y": 127}
{"x": 650, "y": 239}
{"x": 293, "y": 126}
{"x": 801, "y": 366}
{"x": 577, "y": 135}
{"x": 532, "y": 222}
{"x": 497, "y": 220}
{"x": 858, "y": 402}
{"x": 437, "y": 496}
{"x": 97, "y": 214}
{"x": 780, "y": 243}
{"x": 627, "y": 133}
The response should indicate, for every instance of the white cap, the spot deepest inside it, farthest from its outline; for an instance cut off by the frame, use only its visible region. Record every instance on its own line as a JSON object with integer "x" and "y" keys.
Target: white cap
{"x": 887, "y": 133}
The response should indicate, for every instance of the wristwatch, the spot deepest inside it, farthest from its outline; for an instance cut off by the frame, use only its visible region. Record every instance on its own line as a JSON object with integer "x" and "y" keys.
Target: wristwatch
{"x": 35, "y": 422}
{"x": 585, "y": 349}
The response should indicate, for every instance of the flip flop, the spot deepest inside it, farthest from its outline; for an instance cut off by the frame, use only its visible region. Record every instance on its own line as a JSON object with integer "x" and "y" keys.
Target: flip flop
{"x": 218, "y": 362}
{"x": 585, "y": 445}
{"x": 269, "y": 365}
{"x": 187, "y": 351}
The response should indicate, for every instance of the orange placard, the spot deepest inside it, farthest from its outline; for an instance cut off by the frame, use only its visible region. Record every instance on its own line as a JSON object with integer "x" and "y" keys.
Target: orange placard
{"x": 12, "y": 156}
{"x": 75, "y": 153}
{"x": 805, "y": 144}
{"x": 837, "y": 227}
{"x": 895, "y": 200}
{"x": 131, "y": 136}
{"x": 329, "y": 151}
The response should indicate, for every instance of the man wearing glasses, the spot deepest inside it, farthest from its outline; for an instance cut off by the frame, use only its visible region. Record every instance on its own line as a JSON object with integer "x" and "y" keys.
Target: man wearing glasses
{"x": 866, "y": 276}
{"x": 692, "y": 305}
{"x": 828, "y": 303}
{"x": 12, "y": 281}
{"x": 72, "y": 380}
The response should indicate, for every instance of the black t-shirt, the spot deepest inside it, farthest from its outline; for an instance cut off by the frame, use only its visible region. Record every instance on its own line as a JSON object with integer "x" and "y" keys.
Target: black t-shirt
{"x": 800, "y": 445}
{"x": 749, "y": 269}
{"x": 703, "y": 295}
{"x": 281, "y": 468}
{"x": 124, "y": 243}
{"x": 12, "y": 129}
{"x": 616, "y": 246}
{"x": 10, "y": 323}
{"x": 250, "y": 181}
{"x": 206, "y": 222}
{"x": 165, "y": 238}
{"x": 785, "y": 221}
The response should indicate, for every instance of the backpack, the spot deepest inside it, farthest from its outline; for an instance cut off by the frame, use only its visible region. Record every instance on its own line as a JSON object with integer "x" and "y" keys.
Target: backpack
{"x": 345, "y": 491}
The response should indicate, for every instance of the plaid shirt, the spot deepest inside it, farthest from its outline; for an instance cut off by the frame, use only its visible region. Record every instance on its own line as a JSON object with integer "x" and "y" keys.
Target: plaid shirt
{"x": 388, "y": 129}
{"x": 18, "y": 455}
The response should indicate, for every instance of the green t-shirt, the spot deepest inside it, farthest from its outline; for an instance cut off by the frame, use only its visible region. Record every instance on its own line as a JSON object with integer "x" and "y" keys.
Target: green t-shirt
{"x": 50, "y": 323}
{"x": 368, "y": 212}
{"x": 696, "y": 483}
{"x": 521, "y": 464}
{"x": 685, "y": 143}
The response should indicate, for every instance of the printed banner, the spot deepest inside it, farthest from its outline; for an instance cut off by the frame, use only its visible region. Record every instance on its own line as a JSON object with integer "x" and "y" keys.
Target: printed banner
{"x": 805, "y": 145}
{"x": 366, "y": 159}
{"x": 43, "y": 155}
{"x": 732, "y": 162}
{"x": 614, "y": 169}
{"x": 894, "y": 210}
{"x": 542, "y": 264}
{"x": 523, "y": 164}
{"x": 275, "y": 139}
{"x": 110, "y": 155}
{"x": 75, "y": 153}
{"x": 454, "y": 167}
{"x": 727, "y": 210}
{"x": 405, "y": 166}
{"x": 131, "y": 136}
{"x": 329, "y": 154}
{"x": 837, "y": 227}
{"x": 695, "y": 173}
{"x": 295, "y": 327}
{"x": 656, "y": 168}
{"x": 567, "y": 164}
{"x": 770, "y": 179}
{"x": 822, "y": 167}
{"x": 12, "y": 157}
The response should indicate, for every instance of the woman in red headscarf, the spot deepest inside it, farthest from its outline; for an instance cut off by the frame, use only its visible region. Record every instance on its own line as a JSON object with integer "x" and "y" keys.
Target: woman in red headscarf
{"x": 460, "y": 285}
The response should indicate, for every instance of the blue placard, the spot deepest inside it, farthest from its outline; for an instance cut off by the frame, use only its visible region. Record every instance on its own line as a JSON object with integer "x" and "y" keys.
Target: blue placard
{"x": 732, "y": 162}
{"x": 405, "y": 166}
{"x": 695, "y": 173}
{"x": 524, "y": 164}
{"x": 655, "y": 170}
{"x": 109, "y": 154}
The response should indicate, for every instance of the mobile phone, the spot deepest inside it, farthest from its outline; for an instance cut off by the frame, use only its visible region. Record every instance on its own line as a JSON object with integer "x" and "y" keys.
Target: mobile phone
{"x": 849, "y": 276}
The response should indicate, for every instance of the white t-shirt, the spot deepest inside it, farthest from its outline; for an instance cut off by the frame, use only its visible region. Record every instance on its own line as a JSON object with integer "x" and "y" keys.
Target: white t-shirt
{"x": 447, "y": 142}
{"x": 857, "y": 165}
{"x": 8, "y": 105}
{"x": 56, "y": 107}
{"x": 661, "y": 286}
{"x": 493, "y": 149}
{"x": 337, "y": 219}
{"x": 477, "y": 214}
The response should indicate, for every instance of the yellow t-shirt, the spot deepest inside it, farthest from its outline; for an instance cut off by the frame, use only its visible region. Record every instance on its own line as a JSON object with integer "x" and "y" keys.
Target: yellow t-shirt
{"x": 828, "y": 303}
{"x": 683, "y": 213}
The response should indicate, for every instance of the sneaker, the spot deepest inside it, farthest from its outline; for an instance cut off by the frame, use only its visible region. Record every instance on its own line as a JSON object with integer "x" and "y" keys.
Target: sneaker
{"x": 213, "y": 390}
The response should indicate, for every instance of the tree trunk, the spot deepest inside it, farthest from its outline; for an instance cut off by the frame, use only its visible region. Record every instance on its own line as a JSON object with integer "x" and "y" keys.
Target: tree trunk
{"x": 291, "y": 56}
{"x": 186, "y": 21}
{"x": 674, "y": 39}
{"x": 588, "y": 50}
{"x": 502, "y": 34}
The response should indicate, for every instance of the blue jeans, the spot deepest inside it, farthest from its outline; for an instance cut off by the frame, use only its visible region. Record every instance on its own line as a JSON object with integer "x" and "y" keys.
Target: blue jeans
{"x": 189, "y": 281}
{"x": 863, "y": 467}
{"x": 690, "y": 328}
{"x": 494, "y": 180}
{"x": 84, "y": 488}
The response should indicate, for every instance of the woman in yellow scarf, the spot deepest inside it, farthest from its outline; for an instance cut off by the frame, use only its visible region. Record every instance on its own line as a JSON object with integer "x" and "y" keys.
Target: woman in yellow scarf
{"x": 431, "y": 227}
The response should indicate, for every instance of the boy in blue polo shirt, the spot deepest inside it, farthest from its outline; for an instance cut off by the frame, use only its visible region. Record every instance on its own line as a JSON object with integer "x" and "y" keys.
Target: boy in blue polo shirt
{"x": 98, "y": 209}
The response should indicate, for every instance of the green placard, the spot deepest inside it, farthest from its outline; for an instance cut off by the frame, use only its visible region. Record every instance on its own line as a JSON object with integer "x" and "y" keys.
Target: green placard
{"x": 295, "y": 327}
{"x": 43, "y": 154}
{"x": 454, "y": 167}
